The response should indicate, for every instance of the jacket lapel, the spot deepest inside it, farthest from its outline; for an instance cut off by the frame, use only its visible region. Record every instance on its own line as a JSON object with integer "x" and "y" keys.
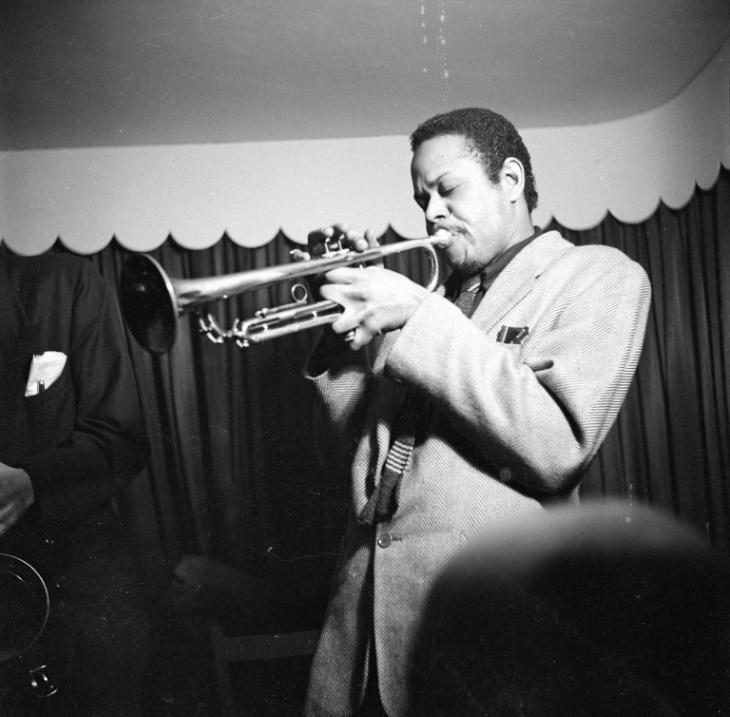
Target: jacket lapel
{"x": 518, "y": 279}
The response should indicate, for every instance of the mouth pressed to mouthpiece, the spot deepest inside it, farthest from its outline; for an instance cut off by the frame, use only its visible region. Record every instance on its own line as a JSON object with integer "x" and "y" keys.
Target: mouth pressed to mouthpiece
{"x": 442, "y": 236}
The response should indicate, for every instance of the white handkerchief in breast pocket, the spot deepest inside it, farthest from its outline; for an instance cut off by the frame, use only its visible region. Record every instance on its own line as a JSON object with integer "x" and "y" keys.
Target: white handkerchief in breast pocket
{"x": 44, "y": 370}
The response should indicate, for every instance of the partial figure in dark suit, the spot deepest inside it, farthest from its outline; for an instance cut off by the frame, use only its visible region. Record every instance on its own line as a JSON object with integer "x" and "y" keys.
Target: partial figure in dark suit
{"x": 449, "y": 410}
{"x": 71, "y": 437}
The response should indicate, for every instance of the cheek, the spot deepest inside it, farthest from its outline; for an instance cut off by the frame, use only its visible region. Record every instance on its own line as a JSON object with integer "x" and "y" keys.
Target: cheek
{"x": 455, "y": 254}
{"x": 480, "y": 215}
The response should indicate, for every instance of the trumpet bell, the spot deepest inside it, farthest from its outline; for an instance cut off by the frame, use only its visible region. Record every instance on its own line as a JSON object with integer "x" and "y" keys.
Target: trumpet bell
{"x": 148, "y": 303}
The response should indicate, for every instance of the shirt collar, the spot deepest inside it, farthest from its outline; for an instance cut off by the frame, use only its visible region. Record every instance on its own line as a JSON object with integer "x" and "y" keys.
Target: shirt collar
{"x": 486, "y": 278}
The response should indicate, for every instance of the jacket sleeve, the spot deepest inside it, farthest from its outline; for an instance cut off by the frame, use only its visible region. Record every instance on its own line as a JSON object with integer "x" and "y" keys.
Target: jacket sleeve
{"x": 89, "y": 429}
{"x": 339, "y": 378}
{"x": 541, "y": 409}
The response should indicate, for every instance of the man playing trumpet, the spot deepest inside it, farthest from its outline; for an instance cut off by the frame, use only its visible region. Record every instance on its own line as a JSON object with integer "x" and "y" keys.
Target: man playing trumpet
{"x": 450, "y": 410}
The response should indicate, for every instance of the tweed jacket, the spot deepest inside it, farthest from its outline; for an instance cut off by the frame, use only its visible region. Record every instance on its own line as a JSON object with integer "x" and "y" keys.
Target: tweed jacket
{"x": 510, "y": 426}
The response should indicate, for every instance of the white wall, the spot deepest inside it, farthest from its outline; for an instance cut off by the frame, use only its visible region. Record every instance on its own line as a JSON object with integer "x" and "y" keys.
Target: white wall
{"x": 250, "y": 190}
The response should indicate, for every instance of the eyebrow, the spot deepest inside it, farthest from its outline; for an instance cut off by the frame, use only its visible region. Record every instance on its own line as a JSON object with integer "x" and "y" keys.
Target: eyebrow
{"x": 436, "y": 180}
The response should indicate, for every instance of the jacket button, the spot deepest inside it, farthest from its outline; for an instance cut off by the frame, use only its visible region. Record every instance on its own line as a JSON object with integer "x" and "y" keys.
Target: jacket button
{"x": 505, "y": 475}
{"x": 384, "y": 540}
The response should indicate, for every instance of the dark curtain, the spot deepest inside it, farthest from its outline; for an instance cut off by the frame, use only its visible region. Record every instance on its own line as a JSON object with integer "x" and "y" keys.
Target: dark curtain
{"x": 670, "y": 444}
{"x": 233, "y": 472}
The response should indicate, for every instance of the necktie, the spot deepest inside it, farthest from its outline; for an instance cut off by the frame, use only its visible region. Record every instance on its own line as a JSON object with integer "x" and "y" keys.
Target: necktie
{"x": 467, "y": 300}
{"x": 382, "y": 502}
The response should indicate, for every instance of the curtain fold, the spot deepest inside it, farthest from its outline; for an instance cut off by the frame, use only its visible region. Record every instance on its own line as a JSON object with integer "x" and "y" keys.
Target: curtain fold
{"x": 233, "y": 472}
{"x": 670, "y": 444}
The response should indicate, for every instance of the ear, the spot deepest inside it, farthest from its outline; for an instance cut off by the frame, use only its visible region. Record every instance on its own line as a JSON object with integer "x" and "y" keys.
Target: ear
{"x": 512, "y": 178}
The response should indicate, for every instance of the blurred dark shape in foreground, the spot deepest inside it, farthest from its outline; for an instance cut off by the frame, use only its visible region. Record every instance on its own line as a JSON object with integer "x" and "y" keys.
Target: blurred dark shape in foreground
{"x": 605, "y": 609}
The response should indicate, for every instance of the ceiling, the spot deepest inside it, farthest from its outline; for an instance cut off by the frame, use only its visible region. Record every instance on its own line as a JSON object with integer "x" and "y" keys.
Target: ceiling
{"x": 137, "y": 72}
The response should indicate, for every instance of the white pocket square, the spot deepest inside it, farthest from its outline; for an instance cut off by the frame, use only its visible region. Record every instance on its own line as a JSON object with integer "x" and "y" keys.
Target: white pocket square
{"x": 44, "y": 370}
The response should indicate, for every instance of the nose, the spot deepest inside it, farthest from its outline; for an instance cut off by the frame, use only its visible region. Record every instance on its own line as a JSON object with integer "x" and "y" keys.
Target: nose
{"x": 435, "y": 209}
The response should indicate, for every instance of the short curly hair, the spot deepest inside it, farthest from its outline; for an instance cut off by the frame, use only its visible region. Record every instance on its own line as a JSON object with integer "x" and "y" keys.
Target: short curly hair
{"x": 489, "y": 135}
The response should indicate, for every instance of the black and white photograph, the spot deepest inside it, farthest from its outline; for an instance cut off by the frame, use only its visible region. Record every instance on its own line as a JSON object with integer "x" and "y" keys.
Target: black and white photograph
{"x": 364, "y": 358}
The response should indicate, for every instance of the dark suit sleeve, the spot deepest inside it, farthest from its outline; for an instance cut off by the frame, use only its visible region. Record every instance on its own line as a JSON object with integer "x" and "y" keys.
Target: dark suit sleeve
{"x": 88, "y": 426}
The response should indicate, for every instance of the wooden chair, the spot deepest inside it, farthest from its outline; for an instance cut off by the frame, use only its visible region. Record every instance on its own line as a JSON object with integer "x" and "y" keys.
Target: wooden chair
{"x": 228, "y": 649}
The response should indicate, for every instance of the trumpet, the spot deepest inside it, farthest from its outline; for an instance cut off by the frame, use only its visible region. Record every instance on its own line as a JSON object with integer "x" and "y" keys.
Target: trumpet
{"x": 152, "y": 302}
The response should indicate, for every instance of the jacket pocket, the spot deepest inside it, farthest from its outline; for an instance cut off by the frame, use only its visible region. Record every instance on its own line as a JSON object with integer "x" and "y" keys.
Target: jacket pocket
{"x": 50, "y": 413}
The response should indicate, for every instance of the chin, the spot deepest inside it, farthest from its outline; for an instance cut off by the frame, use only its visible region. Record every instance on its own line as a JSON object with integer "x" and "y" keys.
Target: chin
{"x": 454, "y": 256}
{"x": 466, "y": 266}
{"x": 460, "y": 260}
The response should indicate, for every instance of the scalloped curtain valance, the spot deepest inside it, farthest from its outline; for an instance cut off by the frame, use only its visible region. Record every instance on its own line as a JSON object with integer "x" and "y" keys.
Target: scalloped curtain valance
{"x": 250, "y": 191}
